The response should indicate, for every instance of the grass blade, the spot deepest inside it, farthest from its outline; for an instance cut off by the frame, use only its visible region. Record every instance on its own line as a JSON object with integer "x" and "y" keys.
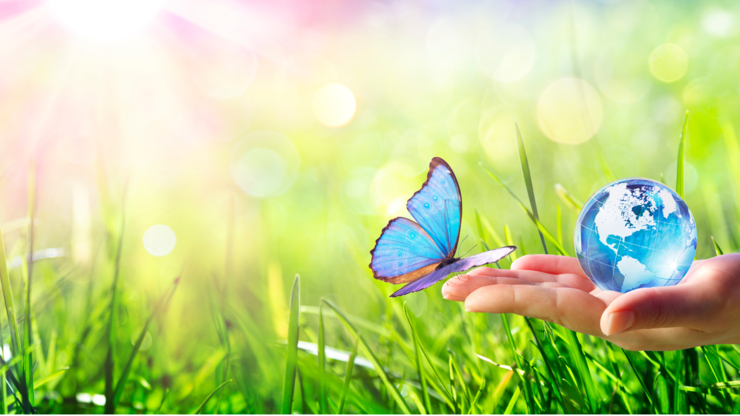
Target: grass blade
{"x": 291, "y": 357}
{"x": 347, "y": 378}
{"x": 603, "y": 164}
{"x": 373, "y": 359}
{"x": 510, "y": 242}
{"x": 164, "y": 397}
{"x": 548, "y": 236}
{"x": 3, "y": 395}
{"x": 682, "y": 157}
{"x": 15, "y": 345}
{"x": 717, "y": 248}
{"x": 477, "y": 396}
{"x": 639, "y": 378}
{"x": 512, "y": 402}
{"x": 678, "y": 397}
{"x": 579, "y": 358}
{"x": 569, "y": 199}
{"x": 322, "y": 363}
{"x": 161, "y": 305}
{"x": 28, "y": 398}
{"x": 40, "y": 382}
{"x": 548, "y": 364}
{"x": 559, "y": 225}
{"x": 465, "y": 392}
{"x": 711, "y": 354}
{"x": 419, "y": 366}
{"x": 485, "y": 228}
{"x": 519, "y": 363}
{"x": 498, "y": 393}
{"x": 205, "y": 402}
{"x": 528, "y": 179}
{"x": 109, "y": 365}
{"x": 661, "y": 393}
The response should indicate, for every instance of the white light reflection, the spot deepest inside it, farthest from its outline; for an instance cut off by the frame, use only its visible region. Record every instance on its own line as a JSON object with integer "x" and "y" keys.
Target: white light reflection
{"x": 159, "y": 240}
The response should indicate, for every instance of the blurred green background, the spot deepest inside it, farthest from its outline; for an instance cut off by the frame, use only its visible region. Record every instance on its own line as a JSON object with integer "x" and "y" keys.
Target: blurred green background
{"x": 236, "y": 144}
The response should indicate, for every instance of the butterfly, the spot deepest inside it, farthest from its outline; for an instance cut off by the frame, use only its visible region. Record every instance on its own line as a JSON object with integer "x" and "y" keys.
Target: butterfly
{"x": 422, "y": 253}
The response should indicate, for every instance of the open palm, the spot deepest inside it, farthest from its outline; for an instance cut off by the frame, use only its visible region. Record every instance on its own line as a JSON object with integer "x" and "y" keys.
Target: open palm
{"x": 703, "y": 309}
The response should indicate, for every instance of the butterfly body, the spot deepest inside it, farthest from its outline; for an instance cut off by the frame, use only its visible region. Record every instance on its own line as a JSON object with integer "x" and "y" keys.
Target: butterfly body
{"x": 446, "y": 262}
{"x": 422, "y": 253}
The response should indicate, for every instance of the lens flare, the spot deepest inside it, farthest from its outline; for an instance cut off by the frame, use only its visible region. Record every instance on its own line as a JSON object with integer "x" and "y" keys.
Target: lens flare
{"x": 668, "y": 62}
{"x": 105, "y": 19}
{"x": 334, "y": 105}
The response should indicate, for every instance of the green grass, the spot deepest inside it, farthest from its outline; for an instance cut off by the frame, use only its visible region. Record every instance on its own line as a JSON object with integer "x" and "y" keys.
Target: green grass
{"x": 333, "y": 358}
{"x": 443, "y": 361}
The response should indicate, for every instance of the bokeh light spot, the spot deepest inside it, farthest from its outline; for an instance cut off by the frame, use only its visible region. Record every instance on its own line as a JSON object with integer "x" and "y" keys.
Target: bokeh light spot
{"x": 569, "y": 111}
{"x": 159, "y": 240}
{"x": 718, "y": 22}
{"x": 392, "y": 186}
{"x": 105, "y": 19}
{"x": 668, "y": 62}
{"x": 264, "y": 164}
{"x": 418, "y": 304}
{"x": 334, "y": 105}
{"x": 261, "y": 171}
{"x": 146, "y": 343}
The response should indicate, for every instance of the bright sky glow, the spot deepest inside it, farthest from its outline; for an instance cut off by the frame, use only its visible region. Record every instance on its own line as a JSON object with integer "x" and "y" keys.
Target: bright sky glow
{"x": 105, "y": 19}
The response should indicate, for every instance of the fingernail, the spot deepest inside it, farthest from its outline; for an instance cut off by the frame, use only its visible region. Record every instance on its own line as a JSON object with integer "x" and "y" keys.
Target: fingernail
{"x": 469, "y": 309}
{"x": 619, "y": 322}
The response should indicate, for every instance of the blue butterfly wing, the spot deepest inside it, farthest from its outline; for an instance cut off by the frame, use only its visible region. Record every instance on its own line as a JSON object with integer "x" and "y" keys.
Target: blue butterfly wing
{"x": 404, "y": 252}
{"x": 437, "y": 206}
{"x": 461, "y": 265}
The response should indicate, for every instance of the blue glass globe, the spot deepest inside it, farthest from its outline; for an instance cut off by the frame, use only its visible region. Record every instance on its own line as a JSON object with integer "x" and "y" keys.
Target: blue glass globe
{"x": 635, "y": 233}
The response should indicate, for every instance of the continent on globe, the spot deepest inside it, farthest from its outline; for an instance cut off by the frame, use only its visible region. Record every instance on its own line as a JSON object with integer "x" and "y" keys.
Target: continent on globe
{"x": 635, "y": 233}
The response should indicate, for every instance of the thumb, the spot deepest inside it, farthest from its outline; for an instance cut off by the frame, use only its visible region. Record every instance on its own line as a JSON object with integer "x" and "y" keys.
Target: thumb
{"x": 686, "y": 305}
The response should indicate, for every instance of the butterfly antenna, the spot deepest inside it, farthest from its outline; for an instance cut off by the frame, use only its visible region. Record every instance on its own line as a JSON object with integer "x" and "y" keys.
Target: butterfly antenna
{"x": 471, "y": 249}
{"x": 462, "y": 241}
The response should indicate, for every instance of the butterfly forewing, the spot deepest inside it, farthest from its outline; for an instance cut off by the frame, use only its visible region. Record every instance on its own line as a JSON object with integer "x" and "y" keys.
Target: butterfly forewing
{"x": 404, "y": 252}
{"x": 437, "y": 206}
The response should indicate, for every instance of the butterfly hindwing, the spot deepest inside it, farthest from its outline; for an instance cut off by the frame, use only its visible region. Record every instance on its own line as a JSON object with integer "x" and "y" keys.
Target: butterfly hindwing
{"x": 437, "y": 206}
{"x": 461, "y": 265}
{"x": 404, "y": 252}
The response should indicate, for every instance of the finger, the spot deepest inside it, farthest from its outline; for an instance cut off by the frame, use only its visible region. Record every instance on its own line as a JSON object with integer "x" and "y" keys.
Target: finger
{"x": 565, "y": 306}
{"x": 693, "y": 305}
{"x": 549, "y": 264}
{"x": 569, "y": 279}
{"x": 460, "y": 287}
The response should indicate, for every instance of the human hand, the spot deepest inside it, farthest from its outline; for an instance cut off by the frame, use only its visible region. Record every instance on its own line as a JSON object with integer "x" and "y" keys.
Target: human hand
{"x": 703, "y": 309}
